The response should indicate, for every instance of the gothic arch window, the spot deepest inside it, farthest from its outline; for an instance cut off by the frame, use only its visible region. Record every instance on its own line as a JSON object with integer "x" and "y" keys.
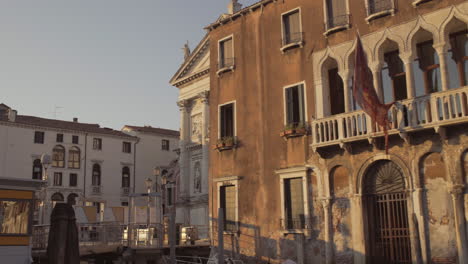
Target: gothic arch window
{"x": 37, "y": 170}
{"x": 74, "y": 158}
{"x": 457, "y": 61}
{"x": 386, "y": 215}
{"x": 393, "y": 73}
{"x": 96, "y": 180}
{"x": 71, "y": 199}
{"x": 125, "y": 177}
{"x": 427, "y": 76}
{"x": 58, "y": 156}
{"x": 334, "y": 91}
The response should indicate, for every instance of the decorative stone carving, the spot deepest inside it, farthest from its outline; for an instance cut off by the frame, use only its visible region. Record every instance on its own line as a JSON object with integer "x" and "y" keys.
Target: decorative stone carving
{"x": 196, "y": 127}
{"x": 184, "y": 105}
{"x": 204, "y": 96}
{"x": 197, "y": 188}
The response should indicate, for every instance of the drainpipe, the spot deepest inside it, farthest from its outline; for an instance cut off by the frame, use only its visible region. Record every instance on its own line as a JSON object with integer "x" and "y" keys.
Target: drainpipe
{"x": 85, "y": 168}
{"x": 134, "y": 163}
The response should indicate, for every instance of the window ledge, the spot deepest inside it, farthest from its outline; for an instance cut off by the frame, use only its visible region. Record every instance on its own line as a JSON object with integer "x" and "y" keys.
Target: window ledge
{"x": 380, "y": 14}
{"x": 224, "y": 70}
{"x": 294, "y": 231}
{"x": 336, "y": 29}
{"x": 418, "y": 2}
{"x": 291, "y": 133}
{"x": 230, "y": 233}
{"x": 292, "y": 45}
{"x": 224, "y": 146}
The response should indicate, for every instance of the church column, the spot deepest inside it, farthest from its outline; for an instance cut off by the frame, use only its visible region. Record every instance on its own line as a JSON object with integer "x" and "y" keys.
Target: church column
{"x": 327, "y": 203}
{"x": 462, "y": 245}
{"x": 357, "y": 224}
{"x": 346, "y": 91}
{"x": 409, "y": 75}
{"x": 205, "y": 138}
{"x": 184, "y": 161}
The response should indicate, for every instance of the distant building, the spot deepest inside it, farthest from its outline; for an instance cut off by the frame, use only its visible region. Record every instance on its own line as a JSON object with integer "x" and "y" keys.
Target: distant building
{"x": 91, "y": 167}
{"x": 193, "y": 81}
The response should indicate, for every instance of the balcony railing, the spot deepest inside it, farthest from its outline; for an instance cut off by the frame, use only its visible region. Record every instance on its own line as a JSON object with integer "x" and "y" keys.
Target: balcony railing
{"x": 226, "y": 64}
{"x": 379, "y": 8}
{"x": 435, "y": 110}
{"x": 295, "y": 223}
{"x": 96, "y": 189}
{"x": 336, "y": 23}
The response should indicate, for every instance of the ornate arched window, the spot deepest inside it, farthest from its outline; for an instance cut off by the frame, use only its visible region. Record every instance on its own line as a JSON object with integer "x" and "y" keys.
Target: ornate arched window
{"x": 335, "y": 91}
{"x": 37, "y": 170}
{"x": 393, "y": 73}
{"x": 96, "y": 180}
{"x": 74, "y": 158}
{"x": 58, "y": 156}
{"x": 457, "y": 62}
{"x": 427, "y": 76}
{"x": 125, "y": 177}
{"x": 386, "y": 214}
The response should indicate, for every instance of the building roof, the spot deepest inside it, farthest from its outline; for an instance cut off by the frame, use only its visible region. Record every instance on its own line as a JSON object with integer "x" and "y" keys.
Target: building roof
{"x": 60, "y": 124}
{"x": 153, "y": 130}
{"x": 226, "y": 18}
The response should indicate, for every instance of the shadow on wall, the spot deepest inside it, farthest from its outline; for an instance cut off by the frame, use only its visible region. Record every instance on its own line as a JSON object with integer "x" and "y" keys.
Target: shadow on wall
{"x": 246, "y": 243}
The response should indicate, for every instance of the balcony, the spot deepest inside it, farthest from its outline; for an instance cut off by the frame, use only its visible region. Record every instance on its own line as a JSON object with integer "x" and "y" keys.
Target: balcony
{"x": 96, "y": 189}
{"x": 434, "y": 111}
{"x": 336, "y": 23}
{"x": 379, "y": 8}
{"x": 292, "y": 40}
{"x": 226, "y": 65}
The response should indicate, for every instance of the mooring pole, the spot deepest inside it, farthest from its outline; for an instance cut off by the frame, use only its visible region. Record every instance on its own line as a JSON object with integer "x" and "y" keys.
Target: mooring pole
{"x": 220, "y": 236}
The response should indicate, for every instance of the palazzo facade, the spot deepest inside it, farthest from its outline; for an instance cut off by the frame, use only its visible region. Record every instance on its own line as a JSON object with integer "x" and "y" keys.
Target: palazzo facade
{"x": 301, "y": 172}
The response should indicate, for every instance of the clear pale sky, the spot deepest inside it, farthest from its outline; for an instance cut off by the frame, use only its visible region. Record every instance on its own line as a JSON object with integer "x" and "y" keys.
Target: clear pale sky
{"x": 103, "y": 61}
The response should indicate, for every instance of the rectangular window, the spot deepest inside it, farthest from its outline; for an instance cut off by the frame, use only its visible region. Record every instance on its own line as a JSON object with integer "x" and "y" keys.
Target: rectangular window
{"x": 75, "y": 139}
{"x": 336, "y": 13}
{"x": 57, "y": 179}
{"x": 124, "y": 203}
{"x": 165, "y": 144}
{"x": 294, "y": 204}
{"x": 228, "y": 203}
{"x": 226, "y": 120}
{"x": 59, "y": 138}
{"x": 292, "y": 27}
{"x": 169, "y": 196}
{"x": 127, "y": 147}
{"x": 14, "y": 217}
{"x": 97, "y": 143}
{"x": 295, "y": 109}
{"x": 73, "y": 179}
{"x": 226, "y": 53}
{"x": 38, "y": 137}
{"x": 377, "y": 6}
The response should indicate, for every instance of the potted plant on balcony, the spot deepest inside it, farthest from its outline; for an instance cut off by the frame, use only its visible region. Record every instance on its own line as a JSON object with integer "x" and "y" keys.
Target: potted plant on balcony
{"x": 294, "y": 130}
{"x": 225, "y": 143}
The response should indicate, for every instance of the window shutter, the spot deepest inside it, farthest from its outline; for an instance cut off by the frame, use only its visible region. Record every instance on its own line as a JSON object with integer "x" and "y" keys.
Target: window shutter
{"x": 228, "y": 54}
{"x": 294, "y": 23}
{"x": 289, "y": 105}
{"x": 300, "y": 91}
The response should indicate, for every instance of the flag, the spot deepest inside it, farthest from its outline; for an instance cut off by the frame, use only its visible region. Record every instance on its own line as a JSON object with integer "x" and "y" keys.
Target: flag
{"x": 365, "y": 94}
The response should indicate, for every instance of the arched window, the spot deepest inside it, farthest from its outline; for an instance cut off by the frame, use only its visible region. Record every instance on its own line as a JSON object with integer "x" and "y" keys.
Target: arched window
{"x": 37, "y": 170}
{"x": 427, "y": 77}
{"x": 58, "y": 156}
{"x": 56, "y": 198}
{"x": 74, "y": 158}
{"x": 393, "y": 73}
{"x": 125, "y": 177}
{"x": 457, "y": 62}
{"x": 386, "y": 214}
{"x": 71, "y": 199}
{"x": 96, "y": 180}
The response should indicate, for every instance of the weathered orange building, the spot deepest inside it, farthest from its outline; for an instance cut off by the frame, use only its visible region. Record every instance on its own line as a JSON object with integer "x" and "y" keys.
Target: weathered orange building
{"x": 300, "y": 171}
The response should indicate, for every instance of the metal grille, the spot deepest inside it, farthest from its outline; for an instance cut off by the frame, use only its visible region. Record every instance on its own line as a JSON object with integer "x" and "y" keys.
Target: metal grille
{"x": 387, "y": 212}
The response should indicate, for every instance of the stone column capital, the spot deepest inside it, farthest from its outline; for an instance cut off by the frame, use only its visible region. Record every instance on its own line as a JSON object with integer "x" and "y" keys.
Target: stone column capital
{"x": 326, "y": 202}
{"x": 204, "y": 96}
{"x": 441, "y": 48}
{"x": 456, "y": 191}
{"x": 407, "y": 57}
{"x": 184, "y": 104}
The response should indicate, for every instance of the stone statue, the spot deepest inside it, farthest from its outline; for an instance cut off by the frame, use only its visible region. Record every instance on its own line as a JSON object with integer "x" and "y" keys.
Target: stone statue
{"x": 186, "y": 49}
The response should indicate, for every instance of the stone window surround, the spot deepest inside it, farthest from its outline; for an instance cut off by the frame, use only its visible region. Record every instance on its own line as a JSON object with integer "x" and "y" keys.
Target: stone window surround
{"x": 372, "y": 45}
{"x": 300, "y": 44}
{"x": 229, "y": 180}
{"x": 326, "y": 19}
{"x": 294, "y": 172}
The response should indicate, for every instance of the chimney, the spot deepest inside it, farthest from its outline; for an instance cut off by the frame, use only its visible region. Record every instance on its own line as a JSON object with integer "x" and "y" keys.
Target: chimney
{"x": 12, "y": 115}
{"x": 75, "y": 119}
{"x": 234, "y": 7}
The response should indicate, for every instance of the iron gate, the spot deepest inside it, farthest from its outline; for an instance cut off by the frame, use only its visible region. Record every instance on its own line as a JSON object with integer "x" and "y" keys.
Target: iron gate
{"x": 387, "y": 214}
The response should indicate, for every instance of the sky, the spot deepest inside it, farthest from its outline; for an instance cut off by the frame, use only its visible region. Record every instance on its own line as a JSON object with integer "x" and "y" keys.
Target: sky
{"x": 102, "y": 61}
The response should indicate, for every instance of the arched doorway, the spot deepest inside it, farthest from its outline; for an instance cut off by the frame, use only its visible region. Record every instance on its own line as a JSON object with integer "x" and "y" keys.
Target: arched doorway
{"x": 386, "y": 214}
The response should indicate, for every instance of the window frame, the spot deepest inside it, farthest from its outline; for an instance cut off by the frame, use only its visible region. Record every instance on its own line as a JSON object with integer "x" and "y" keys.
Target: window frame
{"x": 379, "y": 14}
{"x": 428, "y": 70}
{"x": 76, "y": 164}
{"x": 165, "y": 147}
{"x": 124, "y": 172}
{"x": 99, "y": 180}
{"x": 75, "y": 139}
{"x": 70, "y": 179}
{"x": 228, "y": 181}
{"x": 294, "y": 44}
{"x": 36, "y": 165}
{"x": 234, "y": 118}
{"x": 124, "y": 149}
{"x": 59, "y": 138}
{"x": 97, "y": 143}
{"x": 58, "y": 178}
{"x": 56, "y": 163}
{"x": 285, "y": 107}
{"x": 39, "y": 137}
{"x": 291, "y": 173}
{"x": 335, "y": 28}
{"x": 222, "y": 67}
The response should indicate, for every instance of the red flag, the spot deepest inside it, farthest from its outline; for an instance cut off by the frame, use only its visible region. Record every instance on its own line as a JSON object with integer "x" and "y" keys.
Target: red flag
{"x": 365, "y": 95}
